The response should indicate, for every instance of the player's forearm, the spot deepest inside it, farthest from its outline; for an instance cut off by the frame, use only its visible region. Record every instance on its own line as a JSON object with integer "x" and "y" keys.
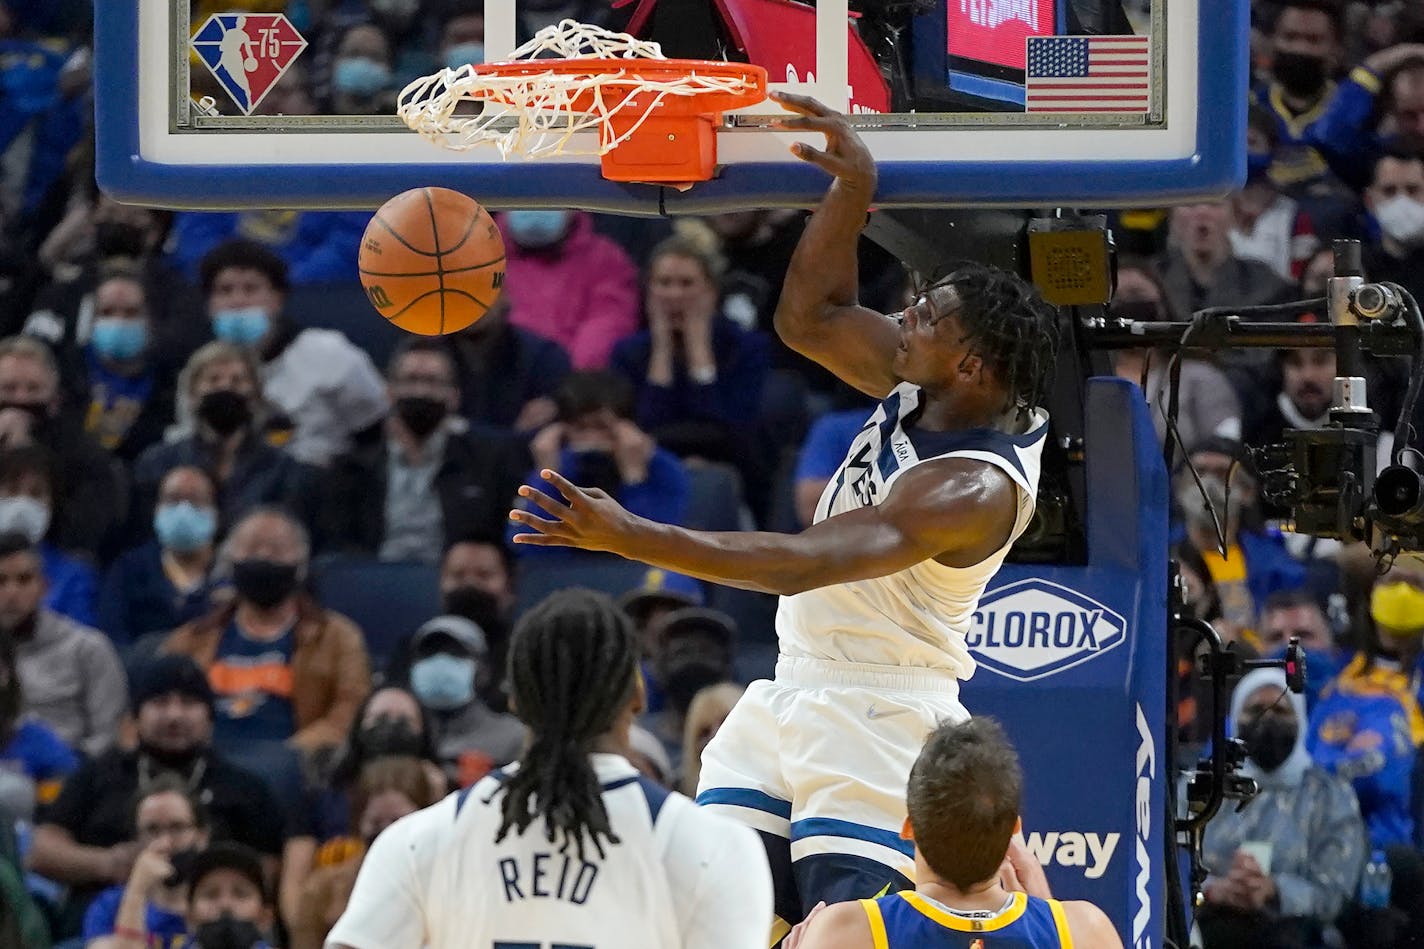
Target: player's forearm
{"x": 765, "y": 561}
{"x": 824, "y": 271}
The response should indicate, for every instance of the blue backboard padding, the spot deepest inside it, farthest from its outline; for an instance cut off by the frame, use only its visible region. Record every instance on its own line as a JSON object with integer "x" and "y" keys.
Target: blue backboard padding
{"x": 1084, "y": 753}
{"x": 1217, "y": 167}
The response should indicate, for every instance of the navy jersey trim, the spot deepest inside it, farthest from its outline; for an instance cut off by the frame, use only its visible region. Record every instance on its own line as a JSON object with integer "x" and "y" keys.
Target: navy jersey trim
{"x": 498, "y": 774}
{"x": 931, "y": 444}
{"x": 746, "y": 797}
{"x": 831, "y": 827}
{"x": 655, "y": 794}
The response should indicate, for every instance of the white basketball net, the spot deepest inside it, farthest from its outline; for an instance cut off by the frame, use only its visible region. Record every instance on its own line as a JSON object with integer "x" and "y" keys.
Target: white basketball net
{"x": 542, "y": 103}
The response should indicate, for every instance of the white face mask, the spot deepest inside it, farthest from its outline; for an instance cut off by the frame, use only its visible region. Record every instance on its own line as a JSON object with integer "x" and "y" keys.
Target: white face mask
{"x": 1402, "y": 219}
{"x": 24, "y": 515}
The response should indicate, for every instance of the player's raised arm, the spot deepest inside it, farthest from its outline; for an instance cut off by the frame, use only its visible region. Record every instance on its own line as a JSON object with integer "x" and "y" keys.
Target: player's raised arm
{"x": 956, "y": 510}
{"x": 819, "y": 314}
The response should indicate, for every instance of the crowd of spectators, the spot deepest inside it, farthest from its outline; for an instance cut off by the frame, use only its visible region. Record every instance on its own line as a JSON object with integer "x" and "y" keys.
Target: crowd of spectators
{"x": 193, "y": 740}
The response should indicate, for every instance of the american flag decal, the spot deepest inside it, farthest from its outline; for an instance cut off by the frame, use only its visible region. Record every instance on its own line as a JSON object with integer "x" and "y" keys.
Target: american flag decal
{"x": 1087, "y": 74}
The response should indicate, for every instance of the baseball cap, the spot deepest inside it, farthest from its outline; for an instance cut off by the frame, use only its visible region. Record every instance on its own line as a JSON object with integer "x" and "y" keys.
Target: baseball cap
{"x": 660, "y": 588}
{"x": 226, "y": 855}
{"x": 463, "y": 631}
{"x": 165, "y": 675}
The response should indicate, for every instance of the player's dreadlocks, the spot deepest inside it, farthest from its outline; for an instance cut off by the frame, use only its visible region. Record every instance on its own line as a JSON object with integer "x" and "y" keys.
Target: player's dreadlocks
{"x": 573, "y": 660}
{"x": 1008, "y": 325}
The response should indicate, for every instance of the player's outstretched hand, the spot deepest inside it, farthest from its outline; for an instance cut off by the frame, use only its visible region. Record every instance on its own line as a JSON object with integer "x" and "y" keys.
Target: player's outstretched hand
{"x": 587, "y": 518}
{"x": 845, "y": 155}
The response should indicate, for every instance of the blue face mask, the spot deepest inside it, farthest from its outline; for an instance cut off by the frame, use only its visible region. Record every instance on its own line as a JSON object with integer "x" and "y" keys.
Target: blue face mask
{"x": 359, "y": 76}
{"x": 117, "y": 338}
{"x": 443, "y": 682}
{"x": 534, "y": 229}
{"x": 1257, "y": 164}
{"x": 464, "y": 54}
{"x": 244, "y": 327}
{"x": 184, "y": 526}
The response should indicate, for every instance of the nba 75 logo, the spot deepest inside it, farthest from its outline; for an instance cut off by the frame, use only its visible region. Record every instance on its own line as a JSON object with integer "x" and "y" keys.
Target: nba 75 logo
{"x": 247, "y": 53}
{"x": 1034, "y": 628}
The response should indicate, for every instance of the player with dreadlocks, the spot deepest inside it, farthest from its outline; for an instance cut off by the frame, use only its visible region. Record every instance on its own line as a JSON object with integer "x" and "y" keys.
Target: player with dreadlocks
{"x": 570, "y": 847}
{"x": 879, "y": 593}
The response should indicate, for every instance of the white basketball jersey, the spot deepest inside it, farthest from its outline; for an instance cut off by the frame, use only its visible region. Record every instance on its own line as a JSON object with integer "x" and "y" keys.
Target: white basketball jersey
{"x": 437, "y": 879}
{"x": 917, "y": 617}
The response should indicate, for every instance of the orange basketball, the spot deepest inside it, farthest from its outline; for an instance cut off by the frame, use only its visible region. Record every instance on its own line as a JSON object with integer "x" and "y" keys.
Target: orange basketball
{"x": 432, "y": 261}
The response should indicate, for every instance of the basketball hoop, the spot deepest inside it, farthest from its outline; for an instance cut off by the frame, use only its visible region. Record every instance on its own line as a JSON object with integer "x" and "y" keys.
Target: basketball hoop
{"x": 656, "y": 117}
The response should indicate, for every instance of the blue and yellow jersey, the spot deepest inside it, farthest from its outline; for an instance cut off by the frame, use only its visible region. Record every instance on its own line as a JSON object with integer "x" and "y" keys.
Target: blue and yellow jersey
{"x": 908, "y": 920}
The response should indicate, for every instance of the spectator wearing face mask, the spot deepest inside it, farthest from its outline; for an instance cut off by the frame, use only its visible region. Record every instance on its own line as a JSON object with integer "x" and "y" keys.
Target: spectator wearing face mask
{"x": 97, "y": 237}
{"x": 1281, "y": 869}
{"x": 362, "y": 81}
{"x": 1395, "y": 201}
{"x": 1305, "y": 55}
{"x": 435, "y": 478}
{"x": 327, "y": 390}
{"x": 220, "y": 409}
{"x": 1367, "y": 724}
{"x": 1206, "y": 403}
{"x": 450, "y": 663}
{"x": 228, "y": 904}
{"x": 569, "y": 284}
{"x": 85, "y": 838}
{"x": 1266, "y": 225}
{"x": 462, "y": 36}
{"x": 282, "y": 668}
{"x": 596, "y": 444}
{"x": 387, "y": 790}
{"x": 165, "y": 582}
{"x": 70, "y": 675}
{"x": 170, "y": 826}
{"x": 695, "y": 649}
{"x": 28, "y": 497}
{"x": 129, "y": 399}
{"x": 30, "y": 414}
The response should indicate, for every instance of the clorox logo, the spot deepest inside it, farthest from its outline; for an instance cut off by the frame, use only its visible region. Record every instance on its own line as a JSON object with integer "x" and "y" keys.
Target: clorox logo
{"x": 1033, "y": 628}
{"x": 247, "y": 53}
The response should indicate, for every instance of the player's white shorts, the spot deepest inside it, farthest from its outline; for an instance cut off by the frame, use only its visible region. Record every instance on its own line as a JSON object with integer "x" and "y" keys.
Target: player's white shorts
{"x": 817, "y": 761}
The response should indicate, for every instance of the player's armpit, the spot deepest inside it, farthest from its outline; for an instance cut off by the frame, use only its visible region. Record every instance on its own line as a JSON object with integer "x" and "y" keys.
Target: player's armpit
{"x": 841, "y": 926}
{"x": 958, "y": 510}
{"x": 1090, "y": 926}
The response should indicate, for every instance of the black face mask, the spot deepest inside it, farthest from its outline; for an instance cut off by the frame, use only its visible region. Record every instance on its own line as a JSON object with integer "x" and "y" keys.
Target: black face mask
{"x": 421, "y": 414}
{"x": 24, "y": 630}
{"x": 227, "y": 933}
{"x": 596, "y": 469}
{"x": 117, "y": 239}
{"x": 1270, "y": 739}
{"x": 473, "y": 604}
{"x": 224, "y": 411}
{"x": 1300, "y": 73}
{"x": 264, "y": 583}
{"x": 182, "y": 863}
{"x": 389, "y": 737}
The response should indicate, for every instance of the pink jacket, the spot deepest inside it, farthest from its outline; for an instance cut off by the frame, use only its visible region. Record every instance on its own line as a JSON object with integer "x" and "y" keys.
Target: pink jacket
{"x": 583, "y": 294}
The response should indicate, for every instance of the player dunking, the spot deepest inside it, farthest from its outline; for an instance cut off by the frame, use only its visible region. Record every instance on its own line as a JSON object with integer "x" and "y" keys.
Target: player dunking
{"x": 964, "y": 808}
{"x": 878, "y": 593}
{"x": 571, "y": 848}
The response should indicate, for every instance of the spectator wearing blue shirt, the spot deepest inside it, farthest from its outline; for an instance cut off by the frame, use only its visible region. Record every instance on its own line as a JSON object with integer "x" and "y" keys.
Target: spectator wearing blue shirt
{"x": 318, "y": 246}
{"x": 170, "y": 824}
{"x": 28, "y": 502}
{"x": 164, "y": 583}
{"x": 228, "y": 904}
{"x": 821, "y": 455}
{"x": 596, "y": 444}
{"x": 1378, "y": 107}
{"x": 129, "y": 402}
{"x": 34, "y": 761}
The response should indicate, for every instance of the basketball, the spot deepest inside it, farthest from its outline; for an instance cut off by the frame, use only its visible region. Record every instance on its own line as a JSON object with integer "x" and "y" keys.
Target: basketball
{"x": 432, "y": 261}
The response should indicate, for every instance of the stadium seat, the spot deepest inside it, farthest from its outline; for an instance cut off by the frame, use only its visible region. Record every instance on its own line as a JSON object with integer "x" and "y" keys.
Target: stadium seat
{"x": 344, "y": 307}
{"x": 538, "y": 577}
{"x": 387, "y": 600}
{"x": 715, "y": 501}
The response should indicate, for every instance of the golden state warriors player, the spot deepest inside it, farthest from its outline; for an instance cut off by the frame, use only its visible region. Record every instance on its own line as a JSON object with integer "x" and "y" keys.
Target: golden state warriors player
{"x": 878, "y": 593}
{"x": 963, "y": 805}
